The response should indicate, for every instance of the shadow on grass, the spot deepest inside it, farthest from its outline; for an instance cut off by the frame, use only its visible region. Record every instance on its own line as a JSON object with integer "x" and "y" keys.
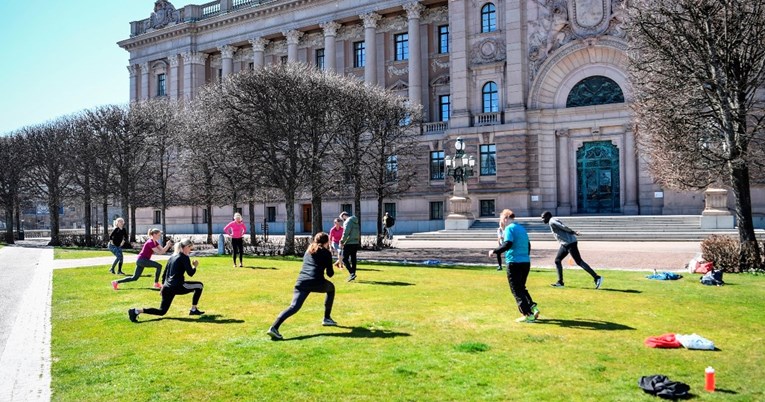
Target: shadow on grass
{"x": 356, "y": 332}
{"x": 256, "y": 267}
{"x": 726, "y": 391}
{"x": 586, "y": 324}
{"x": 205, "y": 319}
{"x": 620, "y": 290}
{"x": 386, "y": 283}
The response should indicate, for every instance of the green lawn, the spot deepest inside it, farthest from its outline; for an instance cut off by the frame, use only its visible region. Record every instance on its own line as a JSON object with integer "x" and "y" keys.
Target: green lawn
{"x": 406, "y": 334}
{"x": 60, "y": 253}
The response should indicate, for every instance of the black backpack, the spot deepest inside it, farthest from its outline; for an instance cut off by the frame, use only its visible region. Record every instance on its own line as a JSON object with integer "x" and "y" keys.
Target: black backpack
{"x": 663, "y": 387}
{"x": 713, "y": 278}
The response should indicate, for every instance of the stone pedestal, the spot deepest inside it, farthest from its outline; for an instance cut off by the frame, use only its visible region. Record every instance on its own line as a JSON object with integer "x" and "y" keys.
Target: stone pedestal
{"x": 460, "y": 216}
{"x": 716, "y": 214}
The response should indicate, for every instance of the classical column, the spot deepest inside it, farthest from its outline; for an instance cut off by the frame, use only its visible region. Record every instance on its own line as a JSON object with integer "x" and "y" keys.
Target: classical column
{"x": 459, "y": 53}
{"x": 227, "y": 56}
{"x": 173, "y": 77}
{"x": 630, "y": 174}
{"x": 133, "y": 70}
{"x": 515, "y": 15}
{"x": 564, "y": 185}
{"x": 193, "y": 73}
{"x": 144, "y": 81}
{"x": 370, "y": 44}
{"x": 330, "y": 34}
{"x": 293, "y": 38}
{"x": 413, "y": 11}
{"x": 258, "y": 51}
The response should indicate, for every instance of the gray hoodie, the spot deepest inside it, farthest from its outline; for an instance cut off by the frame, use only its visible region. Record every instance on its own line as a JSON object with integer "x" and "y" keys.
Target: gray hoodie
{"x": 562, "y": 233}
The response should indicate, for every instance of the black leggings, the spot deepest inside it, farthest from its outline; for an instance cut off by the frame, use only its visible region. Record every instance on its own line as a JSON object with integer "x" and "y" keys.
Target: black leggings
{"x": 237, "y": 246}
{"x": 168, "y": 294}
{"x": 572, "y": 248}
{"x": 139, "y": 266}
{"x": 298, "y": 298}
{"x": 349, "y": 257}
{"x": 517, "y": 274}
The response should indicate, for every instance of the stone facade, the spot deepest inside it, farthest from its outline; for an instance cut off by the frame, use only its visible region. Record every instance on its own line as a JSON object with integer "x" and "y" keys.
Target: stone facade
{"x": 540, "y": 55}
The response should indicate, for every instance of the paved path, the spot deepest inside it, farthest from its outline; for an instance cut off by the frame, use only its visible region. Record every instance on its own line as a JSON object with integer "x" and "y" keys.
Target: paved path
{"x": 26, "y": 287}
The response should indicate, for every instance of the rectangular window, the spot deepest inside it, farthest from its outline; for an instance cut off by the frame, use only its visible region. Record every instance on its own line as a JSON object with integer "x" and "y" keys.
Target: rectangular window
{"x": 443, "y": 107}
{"x": 157, "y": 217}
{"x": 487, "y": 207}
{"x": 320, "y": 59}
{"x": 488, "y": 160}
{"x": 205, "y": 215}
{"x": 391, "y": 168}
{"x": 390, "y": 208}
{"x": 359, "y": 56}
{"x": 271, "y": 214}
{"x": 251, "y": 66}
{"x": 402, "y": 46}
{"x": 220, "y": 74}
{"x": 437, "y": 165}
{"x": 346, "y": 208}
{"x": 443, "y": 39}
{"x": 436, "y": 210}
{"x": 161, "y": 85}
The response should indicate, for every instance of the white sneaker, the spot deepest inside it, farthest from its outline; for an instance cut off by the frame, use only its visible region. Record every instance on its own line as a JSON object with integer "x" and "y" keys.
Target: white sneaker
{"x": 328, "y": 322}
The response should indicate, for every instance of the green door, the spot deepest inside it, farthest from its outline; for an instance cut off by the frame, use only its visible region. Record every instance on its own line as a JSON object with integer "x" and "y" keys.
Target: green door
{"x": 597, "y": 172}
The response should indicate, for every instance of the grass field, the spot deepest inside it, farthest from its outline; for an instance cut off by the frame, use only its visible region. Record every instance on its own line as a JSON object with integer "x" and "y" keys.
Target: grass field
{"x": 61, "y": 253}
{"x": 406, "y": 334}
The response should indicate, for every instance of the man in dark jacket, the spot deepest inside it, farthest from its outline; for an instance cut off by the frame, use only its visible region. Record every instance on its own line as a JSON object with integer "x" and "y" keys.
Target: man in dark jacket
{"x": 568, "y": 244}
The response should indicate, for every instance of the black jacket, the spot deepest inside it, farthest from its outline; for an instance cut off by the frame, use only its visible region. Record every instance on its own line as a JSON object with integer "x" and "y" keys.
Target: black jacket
{"x": 312, "y": 274}
{"x": 176, "y": 267}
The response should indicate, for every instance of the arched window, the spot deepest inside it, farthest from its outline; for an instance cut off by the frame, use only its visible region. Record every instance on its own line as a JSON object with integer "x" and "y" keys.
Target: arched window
{"x": 488, "y": 18}
{"x": 595, "y": 90}
{"x": 490, "y": 94}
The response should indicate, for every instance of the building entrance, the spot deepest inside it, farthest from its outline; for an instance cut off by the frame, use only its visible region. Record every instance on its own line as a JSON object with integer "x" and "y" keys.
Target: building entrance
{"x": 597, "y": 172}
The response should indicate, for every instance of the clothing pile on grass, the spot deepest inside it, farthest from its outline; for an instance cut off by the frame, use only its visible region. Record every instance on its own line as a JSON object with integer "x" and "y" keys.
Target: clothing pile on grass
{"x": 672, "y": 341}
{"x": 661, "y": 386}
{"x": 711, "y": 276}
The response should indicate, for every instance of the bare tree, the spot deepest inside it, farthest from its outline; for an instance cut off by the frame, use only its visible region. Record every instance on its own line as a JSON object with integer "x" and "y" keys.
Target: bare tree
{"x": 15, "y": 164}
{"x": 697, "y": 66}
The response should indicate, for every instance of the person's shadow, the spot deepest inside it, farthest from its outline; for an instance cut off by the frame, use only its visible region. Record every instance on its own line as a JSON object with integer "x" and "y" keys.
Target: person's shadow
{"x": 356, "y": 332}
{"x": 386, "y": 283}
{"x": 203, "y": 319}
{"x": 585, "y": 324}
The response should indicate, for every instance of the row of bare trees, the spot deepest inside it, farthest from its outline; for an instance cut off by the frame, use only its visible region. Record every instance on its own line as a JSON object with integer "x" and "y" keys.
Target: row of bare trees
{"x": 284, "y": 132}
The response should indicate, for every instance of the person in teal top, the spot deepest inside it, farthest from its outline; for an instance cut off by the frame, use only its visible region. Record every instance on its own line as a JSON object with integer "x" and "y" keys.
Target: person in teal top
{"x": 517, "y": 250}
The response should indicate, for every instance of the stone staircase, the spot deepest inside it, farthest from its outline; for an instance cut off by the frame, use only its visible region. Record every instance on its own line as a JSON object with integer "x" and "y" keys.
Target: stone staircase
{"x": 595, "y": 228}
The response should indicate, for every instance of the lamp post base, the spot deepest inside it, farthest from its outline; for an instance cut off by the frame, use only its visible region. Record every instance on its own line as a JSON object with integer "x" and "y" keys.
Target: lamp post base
{"x": 458, "y": 222}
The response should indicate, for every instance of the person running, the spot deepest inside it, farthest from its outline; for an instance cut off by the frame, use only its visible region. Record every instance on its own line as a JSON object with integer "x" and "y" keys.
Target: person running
{"x": 316, "y": 260}
{"x": 568, "y": 244}
{"x": 175, "y": 283}
{"x": 517, "y": 248}
{"x": 500, "y": 240}
{"x": 144, "y": 259}
{"x": 236, "y": 229}
{"x": 116, "y": 240}
{"x": 350, "y": 242}
{"x": 335, "y": 234}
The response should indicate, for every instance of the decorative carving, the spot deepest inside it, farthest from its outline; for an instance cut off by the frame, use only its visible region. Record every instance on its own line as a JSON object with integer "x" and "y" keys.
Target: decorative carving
{"x": 562, "y": 132}
{"x": 399, "y": 86}
{"x": 144, "y": 68}
{"x": 548, "y": 33}
{"x": 436, "y": 64}
{"x": 277, "y": 47}
{"x": 259, "y": 44}
{"x": 441, "y": 81}
{"x": 589, "y": 17}
{"x": 313, "y": 40}
{"x": 488, "y": 50}
{"x": 351, "y": 32}
{"x": 216, "y": 61}
{"x": 397, "y": 23}
{"x": 330, "y": 28}
{"x": 370, "y": 19}
{"x": 164, "y": 14}
{"x": 293, "y": 36}
{"x": 194, "y": 57}
{"x": 133, "y": 70}
{"x": 159, "y": 67}
{"x": 618, "y": 19}
{"x": 244, "y": 55}
{"x": 436, "y": 15}
{"x": 413, "y": 10}
{"x": 227, "y": 51}
{"x": 393, "y": 71}
{"x": 174, "y": 60}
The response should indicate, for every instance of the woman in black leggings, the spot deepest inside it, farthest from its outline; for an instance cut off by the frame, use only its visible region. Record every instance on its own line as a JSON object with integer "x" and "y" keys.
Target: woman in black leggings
{"x": 175, "y": 282}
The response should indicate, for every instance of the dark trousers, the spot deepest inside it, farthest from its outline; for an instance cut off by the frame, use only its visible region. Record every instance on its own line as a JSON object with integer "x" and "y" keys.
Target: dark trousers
{"x": 168, "y": 294}
{"x": 349, "y": 257}
{"x": 573, "y": 249}
{"x": 117, "y": 251}
{"x": 139, "y": 266}
{"x": 237, "y": 246}
{"x": 298, "y": 298}
{"x": 517, "y": 274}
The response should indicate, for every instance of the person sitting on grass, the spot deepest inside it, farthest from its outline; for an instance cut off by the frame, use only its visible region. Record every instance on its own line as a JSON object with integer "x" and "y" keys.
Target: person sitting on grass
{"x": 144, "y": 259}
{"x": 175, "y": 283}
{"x": 316, "y": 260}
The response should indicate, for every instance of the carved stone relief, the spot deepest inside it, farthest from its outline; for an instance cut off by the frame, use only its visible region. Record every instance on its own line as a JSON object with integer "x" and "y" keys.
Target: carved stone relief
{"x": 397, "y": 72}
{"x": 397, "y": 23}
{"x": 163, "y": 15}
{"x": 489, "y": 50}
{"x": 436, "y": 15}
{"x": 351, "y": 32}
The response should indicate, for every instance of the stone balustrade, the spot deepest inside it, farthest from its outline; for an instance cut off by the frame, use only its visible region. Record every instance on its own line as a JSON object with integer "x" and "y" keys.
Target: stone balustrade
{"x": 487, "y": 119}
{"x": 435, "y": 127}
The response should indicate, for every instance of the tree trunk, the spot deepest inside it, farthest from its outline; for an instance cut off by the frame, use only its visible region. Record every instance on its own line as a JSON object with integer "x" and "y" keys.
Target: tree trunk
{"x": 132, "y": 223}
{"x": 749, "y": 253}
{"x": 251, "y": 210}
{"x": 53, "y": 203}
{"x": 209, "y": 222}
{"x": 316, "y": 215}
{"x": 9, "y": 224}
{"x": 380, "y": 227}
{"x": 289, "y": 232}
{"x": 126, "y": 215}
{"x": 105, "y": 206}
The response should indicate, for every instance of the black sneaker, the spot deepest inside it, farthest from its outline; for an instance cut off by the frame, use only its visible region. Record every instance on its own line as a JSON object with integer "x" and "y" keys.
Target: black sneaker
{"x": 196, "y": 312}
{"x": 133, "y": 315}
{"x": 499, "y": 268}
{"x": 557, "y": 285}
{"x": 274, "y": 333}
{"x": 352, "y": 278}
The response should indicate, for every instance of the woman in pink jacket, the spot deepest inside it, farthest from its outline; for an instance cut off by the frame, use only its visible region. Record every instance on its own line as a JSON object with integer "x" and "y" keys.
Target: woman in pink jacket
{"x": 236, "y": 229}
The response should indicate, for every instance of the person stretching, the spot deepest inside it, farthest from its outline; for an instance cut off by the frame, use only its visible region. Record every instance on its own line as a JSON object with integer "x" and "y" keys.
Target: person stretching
{"x": 316, "y": 260}
{"x": 144, "y": 259}
{"x": 568, "y": 244}
{"x": 174, "y": 282}
{"x": 236, "y": 229}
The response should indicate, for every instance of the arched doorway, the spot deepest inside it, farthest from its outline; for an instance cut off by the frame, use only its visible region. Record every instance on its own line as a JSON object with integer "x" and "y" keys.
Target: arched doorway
{"x": 597, "y": 172}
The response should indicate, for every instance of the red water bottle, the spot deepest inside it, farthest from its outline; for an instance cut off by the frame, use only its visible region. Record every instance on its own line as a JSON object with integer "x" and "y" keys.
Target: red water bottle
{"x": 709, "y": 379}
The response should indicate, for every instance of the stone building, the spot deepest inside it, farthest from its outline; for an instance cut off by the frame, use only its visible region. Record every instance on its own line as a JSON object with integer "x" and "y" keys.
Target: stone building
{"x": 537, "y": 89}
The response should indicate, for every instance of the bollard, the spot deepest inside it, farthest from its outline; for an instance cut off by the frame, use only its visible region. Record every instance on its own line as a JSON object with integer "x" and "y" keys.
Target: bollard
{"x": 221, "y": 244}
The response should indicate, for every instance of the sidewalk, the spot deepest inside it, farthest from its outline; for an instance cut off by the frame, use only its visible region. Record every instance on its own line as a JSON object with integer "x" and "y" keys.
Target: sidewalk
{"x": 26, "y": 288}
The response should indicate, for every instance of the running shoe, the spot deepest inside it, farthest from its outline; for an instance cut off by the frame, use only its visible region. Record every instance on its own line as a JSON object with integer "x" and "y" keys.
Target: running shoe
{"x": 196, "y": 312}
{"x": 598, "y": 282}
{"x": 557, "y": 285}
{"x": 274, "y": 333}
{"x": 115, "y": 285}
{"x": 328, "y": 322}
{"x": 157, "y": 285}
{"x": 133, "y": 315}
{"x": 526, "y": 318}
{"x": 535, "y": 310}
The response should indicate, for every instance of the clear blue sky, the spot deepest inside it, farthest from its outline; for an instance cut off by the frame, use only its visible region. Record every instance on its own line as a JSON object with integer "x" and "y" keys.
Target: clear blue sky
{"x": 59, "y": 57}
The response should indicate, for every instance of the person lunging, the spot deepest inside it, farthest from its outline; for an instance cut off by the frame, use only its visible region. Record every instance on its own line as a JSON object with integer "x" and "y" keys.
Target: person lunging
{"x": 144, "y": 259}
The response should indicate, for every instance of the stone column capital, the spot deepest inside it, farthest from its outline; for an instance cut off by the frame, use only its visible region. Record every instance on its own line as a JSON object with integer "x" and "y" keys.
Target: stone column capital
{"x": 561, "y": 133}
{"x": 133, "y": 70}
{"x": 194, "y": 57}
{"x": 293, "y": 36}
{"x": 227, "y": 51}
{"x": 144, "y": 67}
{"x": 259, "y": 44}
{"x": 370, "y": 19}
{"x": 330, "y": 28}
{"x": 173, "y": 60}
{"x": 413, "y": 10}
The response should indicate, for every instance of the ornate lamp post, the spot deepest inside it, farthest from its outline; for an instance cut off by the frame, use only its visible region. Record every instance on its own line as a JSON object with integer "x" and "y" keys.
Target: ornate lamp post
{"x": 459, "y": 167}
